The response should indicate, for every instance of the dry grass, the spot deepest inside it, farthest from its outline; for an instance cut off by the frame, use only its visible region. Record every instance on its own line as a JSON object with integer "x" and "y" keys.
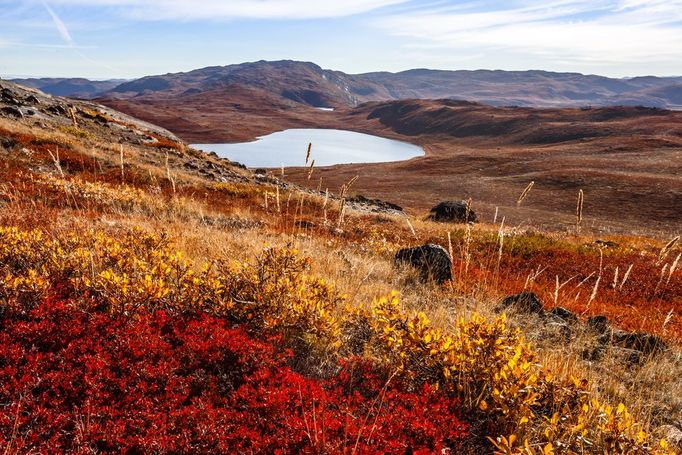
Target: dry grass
{"x": 355, "y": 250}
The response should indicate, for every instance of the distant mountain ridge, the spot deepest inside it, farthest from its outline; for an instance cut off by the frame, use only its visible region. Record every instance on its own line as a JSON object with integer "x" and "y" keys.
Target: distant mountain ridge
{"x": 291, "y": 82}
{"x": 71, "y": 87}
{"x": 309, "y": 84}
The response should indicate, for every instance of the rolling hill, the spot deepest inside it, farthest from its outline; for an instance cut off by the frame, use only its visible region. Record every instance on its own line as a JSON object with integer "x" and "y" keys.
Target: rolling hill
{"x": 158, "y": 299}
{"x": 71, "y": 87}
{"x": 309, "y": 84}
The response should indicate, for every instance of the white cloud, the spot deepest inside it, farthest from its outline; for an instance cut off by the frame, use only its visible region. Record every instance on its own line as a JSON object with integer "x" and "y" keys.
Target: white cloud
{"x": 565, "y": 33}
{"x": 236, "y": 9}
{"x": 59, "y": 25}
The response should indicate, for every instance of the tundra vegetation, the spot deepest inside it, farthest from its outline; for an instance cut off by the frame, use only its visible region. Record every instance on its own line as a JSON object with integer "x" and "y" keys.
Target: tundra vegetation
{"x": 148, "y": 304}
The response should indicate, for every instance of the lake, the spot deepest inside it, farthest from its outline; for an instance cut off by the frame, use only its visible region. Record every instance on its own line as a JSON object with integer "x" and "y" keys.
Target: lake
{"x": 330, "y": 147}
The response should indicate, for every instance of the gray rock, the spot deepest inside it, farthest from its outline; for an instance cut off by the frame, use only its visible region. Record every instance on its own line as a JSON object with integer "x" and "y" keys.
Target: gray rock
{"x": 432, "y": 261}
{"x": 8, "y": 97}
{"x": 13, "y": 111}
{"x": 452, "y": 212}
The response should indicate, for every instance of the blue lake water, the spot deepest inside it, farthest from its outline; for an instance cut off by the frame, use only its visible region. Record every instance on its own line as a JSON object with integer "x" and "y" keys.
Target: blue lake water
{"x": 330, "y": 147}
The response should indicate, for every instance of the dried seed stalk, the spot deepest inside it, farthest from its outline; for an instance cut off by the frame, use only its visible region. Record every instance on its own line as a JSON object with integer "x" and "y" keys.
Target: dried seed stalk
{"x": 523, "y": 195}
{"x": 579, "y": 210}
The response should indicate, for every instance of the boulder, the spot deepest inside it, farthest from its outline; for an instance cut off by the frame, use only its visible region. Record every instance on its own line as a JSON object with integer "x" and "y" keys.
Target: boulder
{"x": 452, "y": 212}
{"x": 13, "y": 111}
{"x": 525, "y": 302}
{"x": 563, "y": 315}
{"x": 374, "y": 203}
{"x": 432, "y": 261}
{"x": 598, "y": 324}
{"x": 646, "y": 343}
{"x": 8, "y": 97}
{"x": 7, "y": 143}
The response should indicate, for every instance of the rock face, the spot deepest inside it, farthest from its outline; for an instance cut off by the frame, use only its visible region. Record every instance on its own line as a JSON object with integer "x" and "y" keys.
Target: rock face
{"x": 432, "y": 261}
{"x": 452, "y": 212}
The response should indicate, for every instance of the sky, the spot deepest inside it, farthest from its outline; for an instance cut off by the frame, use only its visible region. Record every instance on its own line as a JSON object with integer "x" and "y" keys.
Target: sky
{"x": 107, "y": 39}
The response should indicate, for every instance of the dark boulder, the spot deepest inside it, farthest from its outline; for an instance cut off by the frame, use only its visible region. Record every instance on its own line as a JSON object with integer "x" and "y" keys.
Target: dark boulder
{"x": 452, "y": 212}
{"x": 13, "y": 111}
{"x": 645, "y": 343}
{"x": 526, "y": 302}
{"x": 598, "y": 324}
{"x": 563, "y": 315}
{"x": 7, "y": 143}
{"x": 8, "y": 97}
{"x": 432, "y": 261}
{"x": 57, "y": 109}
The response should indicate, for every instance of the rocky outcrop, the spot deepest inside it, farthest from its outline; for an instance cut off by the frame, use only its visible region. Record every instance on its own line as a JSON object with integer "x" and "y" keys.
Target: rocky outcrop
{"x": 633, "y": 347}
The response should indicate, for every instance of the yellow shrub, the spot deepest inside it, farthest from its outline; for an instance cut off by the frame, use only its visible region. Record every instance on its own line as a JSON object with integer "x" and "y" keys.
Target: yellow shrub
{"x": 141, "y": 272}
{"x": 495, "y": 372}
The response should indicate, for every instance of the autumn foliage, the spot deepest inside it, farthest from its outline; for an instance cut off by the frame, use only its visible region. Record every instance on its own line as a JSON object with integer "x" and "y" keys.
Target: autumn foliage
{"x": 126, "y": 347}
{"x": 83, "y": 382}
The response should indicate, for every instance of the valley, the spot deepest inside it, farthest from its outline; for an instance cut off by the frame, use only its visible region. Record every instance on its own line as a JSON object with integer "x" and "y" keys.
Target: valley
{"x": 627, "y": 160}
{"x": 159, "y": 289}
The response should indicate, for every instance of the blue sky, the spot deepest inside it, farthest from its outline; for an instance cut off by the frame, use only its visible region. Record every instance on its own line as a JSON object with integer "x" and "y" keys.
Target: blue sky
{"x": 131, "y": 38}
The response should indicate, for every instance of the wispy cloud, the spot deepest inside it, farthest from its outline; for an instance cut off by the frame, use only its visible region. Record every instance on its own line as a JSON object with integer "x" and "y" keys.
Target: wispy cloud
{"x": 596, "y": 32}
{"x": 59, "y": 25}
{"x": 236, "y": 9}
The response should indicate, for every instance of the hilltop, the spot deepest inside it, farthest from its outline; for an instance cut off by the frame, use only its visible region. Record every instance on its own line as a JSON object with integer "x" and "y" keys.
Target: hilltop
{"x": 309, "y": 84}
{"x": 157, "y": 298}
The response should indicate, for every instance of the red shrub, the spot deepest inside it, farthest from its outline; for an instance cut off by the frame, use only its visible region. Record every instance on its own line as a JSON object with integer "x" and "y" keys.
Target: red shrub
{"x": 71, "y": 381}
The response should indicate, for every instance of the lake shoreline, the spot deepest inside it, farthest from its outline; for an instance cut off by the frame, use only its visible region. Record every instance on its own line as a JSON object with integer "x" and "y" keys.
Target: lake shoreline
{"x": 288, "y": 148}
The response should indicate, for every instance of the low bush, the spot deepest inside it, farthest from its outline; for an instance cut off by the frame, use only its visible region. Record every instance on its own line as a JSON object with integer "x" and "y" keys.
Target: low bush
{"x": 72, "y": 381}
